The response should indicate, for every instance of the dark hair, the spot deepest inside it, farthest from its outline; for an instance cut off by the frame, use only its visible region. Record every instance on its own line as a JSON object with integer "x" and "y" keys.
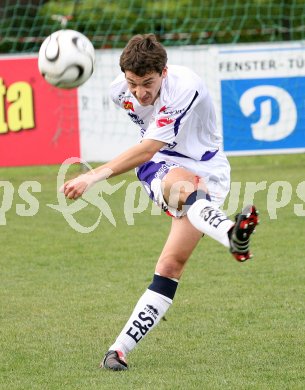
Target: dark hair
{"x": 143, "y": 54}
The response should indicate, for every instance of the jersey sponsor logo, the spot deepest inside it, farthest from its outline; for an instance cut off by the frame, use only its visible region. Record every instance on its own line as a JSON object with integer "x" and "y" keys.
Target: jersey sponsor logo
{"x": 128, "y": 105}
{"x": 164, "y": 168}
{"x": 172, "y": 145}
{"x": 168, "y": 111}
{"x": 136, "y": 119}
{"x": 164, "y": 121}
{"x": 122, "y": 96}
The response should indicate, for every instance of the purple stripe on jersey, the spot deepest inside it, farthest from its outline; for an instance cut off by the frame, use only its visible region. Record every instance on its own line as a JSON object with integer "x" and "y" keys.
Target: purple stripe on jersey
{"x": 178, "y": 120}
{"x": 172, "y": 153}
{"x": 205, "y": 157}
{"x": 208, "y": 155}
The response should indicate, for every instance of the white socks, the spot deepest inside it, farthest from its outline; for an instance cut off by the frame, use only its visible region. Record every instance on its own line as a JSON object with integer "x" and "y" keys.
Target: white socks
{"x": 150, "y": 308}
{"x": 210, "y": 220}
{"x": 156, "y": 300}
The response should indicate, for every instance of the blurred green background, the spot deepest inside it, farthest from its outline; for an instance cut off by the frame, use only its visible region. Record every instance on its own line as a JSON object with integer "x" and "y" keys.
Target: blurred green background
{"x": 24, "y": 24}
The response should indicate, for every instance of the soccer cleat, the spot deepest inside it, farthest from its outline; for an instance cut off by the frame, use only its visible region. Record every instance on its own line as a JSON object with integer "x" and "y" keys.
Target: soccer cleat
{"x": 239, "y": 235}
{"x": 114, "y": 360}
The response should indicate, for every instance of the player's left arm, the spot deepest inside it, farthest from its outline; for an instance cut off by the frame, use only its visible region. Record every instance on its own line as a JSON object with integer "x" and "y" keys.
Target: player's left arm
{"x": 131, "y": 158}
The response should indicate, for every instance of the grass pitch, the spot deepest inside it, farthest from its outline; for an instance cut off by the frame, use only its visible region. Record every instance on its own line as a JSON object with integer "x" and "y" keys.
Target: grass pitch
{"x": 64, "y": 296}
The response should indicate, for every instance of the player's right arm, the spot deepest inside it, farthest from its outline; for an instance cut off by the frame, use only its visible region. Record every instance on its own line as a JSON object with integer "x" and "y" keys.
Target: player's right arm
{"x": 131, "y": 158}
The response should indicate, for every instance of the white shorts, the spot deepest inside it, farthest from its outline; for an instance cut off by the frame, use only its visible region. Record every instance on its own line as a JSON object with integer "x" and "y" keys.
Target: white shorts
{"x": 215, "y": 172}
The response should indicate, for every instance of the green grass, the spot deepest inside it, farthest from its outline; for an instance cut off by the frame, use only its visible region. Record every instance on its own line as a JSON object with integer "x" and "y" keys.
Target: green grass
{"x": 64, "y": 296}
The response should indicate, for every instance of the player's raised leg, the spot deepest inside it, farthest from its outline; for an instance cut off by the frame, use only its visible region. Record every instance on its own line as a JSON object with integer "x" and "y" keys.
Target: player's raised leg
{"x": 182, "y": 188}
{"x": 156, "y": 300}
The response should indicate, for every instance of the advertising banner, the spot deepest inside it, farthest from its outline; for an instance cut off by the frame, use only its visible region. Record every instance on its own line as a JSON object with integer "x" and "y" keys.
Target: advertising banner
{"x": 257, "y": 90}
{"x": 38, "y": 123}
{"x": 262, "y": 93}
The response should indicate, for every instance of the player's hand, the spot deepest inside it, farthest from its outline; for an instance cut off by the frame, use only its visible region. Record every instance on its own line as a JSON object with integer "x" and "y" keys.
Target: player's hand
{"x": 75, "y": 188}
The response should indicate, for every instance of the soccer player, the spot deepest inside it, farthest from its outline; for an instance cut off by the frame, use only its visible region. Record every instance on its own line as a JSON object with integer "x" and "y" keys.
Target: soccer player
{"x": 183, "y": 169}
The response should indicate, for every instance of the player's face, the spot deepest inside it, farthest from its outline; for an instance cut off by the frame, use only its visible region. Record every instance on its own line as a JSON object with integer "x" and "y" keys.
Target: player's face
{"x": 145, "y": 89}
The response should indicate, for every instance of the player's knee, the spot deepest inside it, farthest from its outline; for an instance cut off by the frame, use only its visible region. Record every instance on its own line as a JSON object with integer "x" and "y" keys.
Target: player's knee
{"x": 179, "y": 184}
{"x": 171, "y": 266}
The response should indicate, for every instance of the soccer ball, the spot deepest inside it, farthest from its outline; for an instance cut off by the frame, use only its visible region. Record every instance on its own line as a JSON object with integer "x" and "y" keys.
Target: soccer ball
{"x": 66, "y": 59}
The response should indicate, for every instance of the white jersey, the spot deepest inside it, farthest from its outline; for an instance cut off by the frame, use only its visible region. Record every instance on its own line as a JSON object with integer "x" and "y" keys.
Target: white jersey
{"x": 183, "y": 115}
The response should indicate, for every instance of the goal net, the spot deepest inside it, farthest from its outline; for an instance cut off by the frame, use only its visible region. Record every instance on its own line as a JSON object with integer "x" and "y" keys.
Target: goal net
{"x": 198, "y": 34}
{"x": 24, "y": 24}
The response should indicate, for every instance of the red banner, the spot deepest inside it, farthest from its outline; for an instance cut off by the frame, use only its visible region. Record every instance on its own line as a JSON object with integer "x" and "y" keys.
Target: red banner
{"x": 38, "y": 123}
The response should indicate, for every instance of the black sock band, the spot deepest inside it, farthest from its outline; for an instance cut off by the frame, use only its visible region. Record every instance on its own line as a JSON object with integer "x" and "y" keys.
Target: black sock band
{"x": 196, "y": 195}
{"x": 163, "y": 286}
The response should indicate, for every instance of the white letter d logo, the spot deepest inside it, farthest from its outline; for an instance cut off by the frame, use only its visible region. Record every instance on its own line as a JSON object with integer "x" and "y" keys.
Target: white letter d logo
{"x": 262, "y": 130}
